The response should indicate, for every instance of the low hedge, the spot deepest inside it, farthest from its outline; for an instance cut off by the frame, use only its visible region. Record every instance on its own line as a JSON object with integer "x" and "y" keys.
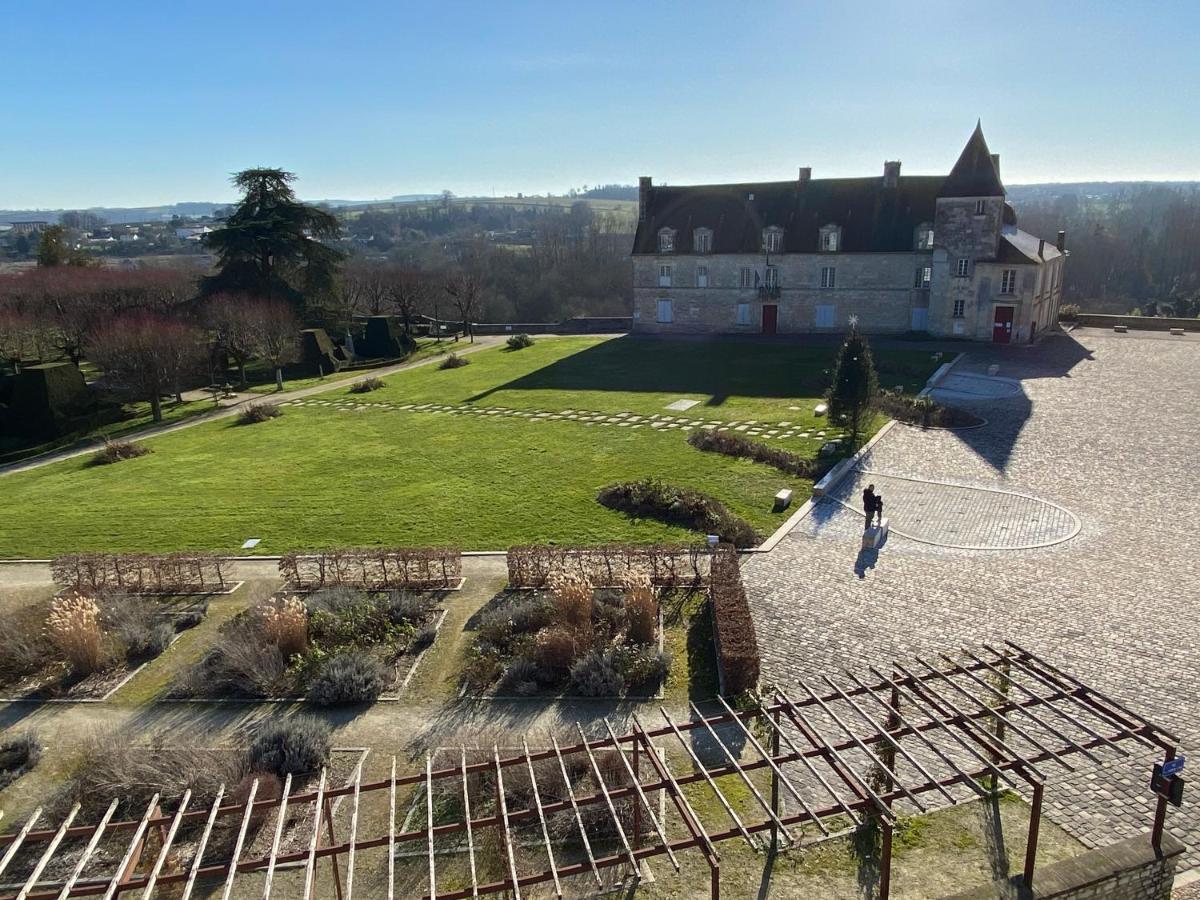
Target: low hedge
{"x": 737, "y": 644}
{"x": 735, "y": 445}
{"x": 923, "y": 411}
{"x": 651, "y": 498}
{"x": 608, "y": 565}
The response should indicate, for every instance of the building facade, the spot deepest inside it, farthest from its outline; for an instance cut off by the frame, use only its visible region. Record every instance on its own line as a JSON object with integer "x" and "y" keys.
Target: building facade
{"x": 935, "y": 254}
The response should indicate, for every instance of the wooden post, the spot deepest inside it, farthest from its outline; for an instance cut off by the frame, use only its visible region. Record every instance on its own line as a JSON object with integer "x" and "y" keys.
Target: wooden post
{"x": 1035, "y": 820}
{"x": 333, "y": 862}
{"x": 885, "y": 860}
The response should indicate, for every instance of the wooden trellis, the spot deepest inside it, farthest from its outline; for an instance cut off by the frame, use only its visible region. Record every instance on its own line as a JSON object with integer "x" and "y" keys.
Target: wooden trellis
{"x": 845, "y": 752}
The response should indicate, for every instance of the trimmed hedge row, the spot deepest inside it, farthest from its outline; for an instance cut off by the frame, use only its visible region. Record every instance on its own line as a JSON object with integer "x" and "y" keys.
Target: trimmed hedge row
{"x": 923, "y": 411}
{"x": 737, "y": 645}
{"x": 139, "y": 573}
{"x": 730, "y": 444}
{"x": 607, "y": 565}
{"x": 682, "y": 506}
{"x": 373, "y": 569}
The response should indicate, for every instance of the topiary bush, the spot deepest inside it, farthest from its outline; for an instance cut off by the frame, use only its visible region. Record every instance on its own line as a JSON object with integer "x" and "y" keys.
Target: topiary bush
{"x": 519, "y": 342}
{"x": 351, "y": 677}
{"x": 596, "y": 675}
{"x": 297, "y": 745}
{"x": 116, "y": 451}
{"x": 454, "y": 361}
{"x": 367, "y": 385}
{"x": 253, "y": 413}
{"x": 653, "y": 499}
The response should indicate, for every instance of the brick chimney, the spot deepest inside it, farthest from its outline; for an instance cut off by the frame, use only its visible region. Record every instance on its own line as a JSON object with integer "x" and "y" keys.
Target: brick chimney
{"x": 891, "y": 173}
{"x": 643, "y": 196}
{"x": 996, "y": 163}
{"x": 1061, "y": 243}
{"x": 805, "y": 174}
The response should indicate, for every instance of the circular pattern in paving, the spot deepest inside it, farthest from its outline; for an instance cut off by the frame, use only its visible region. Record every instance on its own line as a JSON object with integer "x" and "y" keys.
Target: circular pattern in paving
{"x": 962, "y": 517}
{"x": 976, "y": 387}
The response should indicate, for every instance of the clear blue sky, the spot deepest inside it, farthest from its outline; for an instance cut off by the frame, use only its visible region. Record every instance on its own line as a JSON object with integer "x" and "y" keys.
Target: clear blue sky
{"x": 133, "y": 102}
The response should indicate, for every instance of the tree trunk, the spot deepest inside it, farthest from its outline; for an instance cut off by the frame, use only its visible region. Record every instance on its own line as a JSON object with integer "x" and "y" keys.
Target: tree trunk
{"x": 242, "y": 371}
{"x": 279, "y": 378}
{"x": 156, "y": 407}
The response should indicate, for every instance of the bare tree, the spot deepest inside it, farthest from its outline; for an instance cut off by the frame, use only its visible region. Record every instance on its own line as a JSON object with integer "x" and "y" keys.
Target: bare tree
{"x": 147, "y": 355}
{"x": 465, "y": 291}
{"x": 365, "y": 285}
{"x": 233, "y": 322}
{"x": 407, "y": 292}
{"x": 276, "y": 335}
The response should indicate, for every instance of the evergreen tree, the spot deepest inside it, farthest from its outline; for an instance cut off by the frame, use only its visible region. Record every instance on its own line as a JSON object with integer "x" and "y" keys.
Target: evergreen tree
{"x": 852, "y": 395}
{"x": 270, "y": 245}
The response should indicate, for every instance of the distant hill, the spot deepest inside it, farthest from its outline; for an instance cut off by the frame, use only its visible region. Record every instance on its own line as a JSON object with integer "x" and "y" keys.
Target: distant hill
{"x": 1100, "y": 190}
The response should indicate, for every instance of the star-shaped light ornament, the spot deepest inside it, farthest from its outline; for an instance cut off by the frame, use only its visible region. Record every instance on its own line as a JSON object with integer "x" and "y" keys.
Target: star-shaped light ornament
{"x": 853, "y": 320}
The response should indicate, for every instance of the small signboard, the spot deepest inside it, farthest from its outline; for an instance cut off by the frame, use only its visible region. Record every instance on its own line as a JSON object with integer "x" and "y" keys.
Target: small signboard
{"x": 1173, "y": 766}
{"x": 713, "y": 540}
{"x": 1170, "y": 788}
{"x": 253, "y": 542}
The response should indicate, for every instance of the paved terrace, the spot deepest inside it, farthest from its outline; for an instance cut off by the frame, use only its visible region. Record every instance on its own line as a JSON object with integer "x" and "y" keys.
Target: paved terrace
{"x": 1092, "y": 456}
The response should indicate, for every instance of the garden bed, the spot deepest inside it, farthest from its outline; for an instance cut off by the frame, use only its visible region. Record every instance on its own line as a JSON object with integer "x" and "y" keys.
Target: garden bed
{"x": 94, "y": 647}
{"x": 570, "y": 640}
{"x": 333, "y": 646}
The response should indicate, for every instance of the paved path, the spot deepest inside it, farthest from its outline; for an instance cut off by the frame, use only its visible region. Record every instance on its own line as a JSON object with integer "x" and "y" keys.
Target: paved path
{"x": 225, "y": 411}
{"x": 1105, "y": 427}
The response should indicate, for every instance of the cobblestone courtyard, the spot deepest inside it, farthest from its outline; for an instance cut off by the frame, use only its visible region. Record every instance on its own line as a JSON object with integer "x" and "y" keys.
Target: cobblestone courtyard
{"x": 1104, "y": 428}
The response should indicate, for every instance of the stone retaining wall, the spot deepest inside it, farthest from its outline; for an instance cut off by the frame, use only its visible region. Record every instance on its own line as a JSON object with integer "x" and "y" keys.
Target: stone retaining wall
{"x": 1145, "y": 323}
{"x": 1128, "y": 870}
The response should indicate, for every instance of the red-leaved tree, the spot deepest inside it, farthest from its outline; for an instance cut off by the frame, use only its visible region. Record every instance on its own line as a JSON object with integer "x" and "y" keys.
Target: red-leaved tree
{"x": 146, "y": 355}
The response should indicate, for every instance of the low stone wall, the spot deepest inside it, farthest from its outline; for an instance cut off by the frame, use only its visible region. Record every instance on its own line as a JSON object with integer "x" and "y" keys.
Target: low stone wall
{"x": 578, "y": 325}
{"x": 1141, "y": 323}
{"x": 1128, "y": 870}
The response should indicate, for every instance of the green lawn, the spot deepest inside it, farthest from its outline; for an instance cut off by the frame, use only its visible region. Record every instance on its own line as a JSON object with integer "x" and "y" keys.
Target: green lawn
{"x": 322, "y": 477}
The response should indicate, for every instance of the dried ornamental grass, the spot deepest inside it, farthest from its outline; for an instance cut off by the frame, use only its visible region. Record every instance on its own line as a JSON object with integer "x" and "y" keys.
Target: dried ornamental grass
{"x": 641, "y": 608}
{"x": 573, "y": 603}
{"x": 285, "y": 623}
{"x": 73, "y": 626}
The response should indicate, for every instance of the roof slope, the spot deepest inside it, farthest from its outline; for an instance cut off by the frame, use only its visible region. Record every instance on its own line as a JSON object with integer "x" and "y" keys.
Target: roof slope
{"x": 974, "y": 175}
{"x": 1017, "y": 246}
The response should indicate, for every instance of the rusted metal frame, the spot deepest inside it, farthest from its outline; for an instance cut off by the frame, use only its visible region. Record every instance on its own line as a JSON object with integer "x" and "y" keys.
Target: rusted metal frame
{"x": 657, "y": 825}
{"x": 920, "y": 698}
{"x": 992, "y": 711}
{"x": 429, "y": 823}
{"x": 1160, "y": 810}
{"x": 333, "y": 857}
{"x": 775, "y": 769}
{"x": 587, "y": 845}
{"x": 134, "y": 845}
{"x": 269, "y": 880}
{"x": 962, "y": 774}
{"x": 1027, "y": 710}
{"x": 44, "y": 860}
{"x": 686, "y": 812}
{"x": 19, "y": 839}
{"x": 834, "y": 758}
{"x": 168, "y": 840}
{"x": 508, "y": 845}
{"x": 802, "y": 756}
{"x": 466, "y": 792}
{"x": 925, "y": 773}
{"x": 241, "y": 839}
{"x": 391, "y": 844}
{"x": 314, "y": 839}
{"x": 874, "y": 757}
{"x": 885, "y": 862}
{"x": 1049, "y": 701}
{"x": 970, "y": 726}
{"x": 354, "y": 828}
{"x": 704, "y": 772}
{"x": 537, "y": 802}
{"x": 637, "y": 872}
{"x": 745, "y": 778}
{"x": 1031, "y": 841}
{"x": 204, "y": 836}
{"x": 1167, "y": 738}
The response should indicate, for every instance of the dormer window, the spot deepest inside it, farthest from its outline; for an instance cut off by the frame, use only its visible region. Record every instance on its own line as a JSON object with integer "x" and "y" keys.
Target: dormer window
{"x": 831, "y": 239}
{"x": 924, "y": 236}
{"x": 773, "y": 239}
{"x": 702, "y": 240}
{"x": 666, "y": 240}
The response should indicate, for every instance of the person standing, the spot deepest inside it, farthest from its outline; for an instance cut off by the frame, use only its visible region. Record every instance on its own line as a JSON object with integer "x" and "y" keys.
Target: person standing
{"x": 869, "y": 501}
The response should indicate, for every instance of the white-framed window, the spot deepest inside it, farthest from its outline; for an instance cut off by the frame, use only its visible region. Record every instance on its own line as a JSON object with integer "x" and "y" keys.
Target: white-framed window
{"x": 980, "y": 207}
{"x": 701, "y": 276}
{"x": 924, "y": 275}
{"x": 666, "y": 241}
{"x": 743, "y": 314}
{"x": 702, "y": 240}
{"x": 924, "y": 236}
{"x": 1008, "y": 281}
{"x": 828, "y": 276}
{"x": 664, "y": 276}
{"x": 963, "y": 269}
{"x": 960, "y": 307}
{"x": 829, "y": 241}
{"x": 665, "y": 311}
{"x": 772, "y": 276}
{"x": 747, "y": 277}
{"x": 825, "y": 316}
{"x": 773, "y": 240}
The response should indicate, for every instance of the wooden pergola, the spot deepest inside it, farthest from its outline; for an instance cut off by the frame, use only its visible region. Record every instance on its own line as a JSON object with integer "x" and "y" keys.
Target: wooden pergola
{"x": 841, "y": 753}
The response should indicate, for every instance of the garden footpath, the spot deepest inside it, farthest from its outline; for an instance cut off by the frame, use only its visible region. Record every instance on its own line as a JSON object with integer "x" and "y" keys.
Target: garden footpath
{"x": 225, "y": 410}
{"x": 1098, "y": 434}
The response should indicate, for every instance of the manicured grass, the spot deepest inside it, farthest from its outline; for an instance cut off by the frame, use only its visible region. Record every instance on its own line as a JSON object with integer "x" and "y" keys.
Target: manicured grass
{"x": 322, "y": 477}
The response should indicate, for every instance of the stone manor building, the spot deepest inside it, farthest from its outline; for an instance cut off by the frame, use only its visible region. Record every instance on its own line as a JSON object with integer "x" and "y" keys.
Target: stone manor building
{"x": 923, "y": 253}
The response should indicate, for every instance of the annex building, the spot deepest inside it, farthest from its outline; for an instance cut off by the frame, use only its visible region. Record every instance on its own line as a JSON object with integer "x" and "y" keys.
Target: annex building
{"x": 928, "y": 253}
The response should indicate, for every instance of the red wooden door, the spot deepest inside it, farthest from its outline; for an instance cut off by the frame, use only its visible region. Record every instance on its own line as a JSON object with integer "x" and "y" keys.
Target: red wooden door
{"x": 1002, "y": 325}
{"x": 770, "y": 318}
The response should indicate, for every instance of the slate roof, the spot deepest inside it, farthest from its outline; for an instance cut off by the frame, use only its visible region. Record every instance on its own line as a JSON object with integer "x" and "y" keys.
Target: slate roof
{"x": 975, "y": 174}
{"x": 1017, "y": 246}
